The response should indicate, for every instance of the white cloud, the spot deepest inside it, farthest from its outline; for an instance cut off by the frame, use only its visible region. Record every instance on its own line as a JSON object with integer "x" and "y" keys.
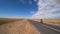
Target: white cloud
{"x": 46, "y": 9}
{"x": 35, "y": 0}
{"x": 26, "y": 1}
{"x": 32, "y": 12}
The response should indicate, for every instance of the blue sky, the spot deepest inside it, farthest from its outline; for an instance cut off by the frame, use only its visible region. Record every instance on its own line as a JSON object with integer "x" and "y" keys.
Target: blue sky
{"x": 17, "y": 8}
{"x": 44, "y": 9}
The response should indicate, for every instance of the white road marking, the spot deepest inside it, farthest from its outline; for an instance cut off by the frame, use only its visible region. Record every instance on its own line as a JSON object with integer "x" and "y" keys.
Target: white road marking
{"x": 52, "y": 28}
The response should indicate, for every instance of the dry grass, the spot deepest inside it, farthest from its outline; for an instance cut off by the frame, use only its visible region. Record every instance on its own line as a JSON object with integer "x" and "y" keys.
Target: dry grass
{"x": 54, "y": 22}
{"x": 7, "y": 20}
{"x": 20, "y": 26}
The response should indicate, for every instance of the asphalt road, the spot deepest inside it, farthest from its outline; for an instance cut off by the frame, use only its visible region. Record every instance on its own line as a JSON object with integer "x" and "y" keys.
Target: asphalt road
{"x": 45, "y": 28}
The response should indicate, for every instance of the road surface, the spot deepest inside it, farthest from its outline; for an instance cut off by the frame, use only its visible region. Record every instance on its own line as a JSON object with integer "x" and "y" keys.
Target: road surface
{"x": 45, "y": 28}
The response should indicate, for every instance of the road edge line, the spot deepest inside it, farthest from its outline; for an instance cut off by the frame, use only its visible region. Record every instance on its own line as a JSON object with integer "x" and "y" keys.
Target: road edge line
{"x": 52, "y": 28}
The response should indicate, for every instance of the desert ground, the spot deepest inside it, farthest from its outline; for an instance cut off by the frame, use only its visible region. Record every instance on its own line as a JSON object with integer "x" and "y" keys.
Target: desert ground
{"x": 52, "y": 22}
{"x": 16, "y": 26}
{"x": 21, "y": 26}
